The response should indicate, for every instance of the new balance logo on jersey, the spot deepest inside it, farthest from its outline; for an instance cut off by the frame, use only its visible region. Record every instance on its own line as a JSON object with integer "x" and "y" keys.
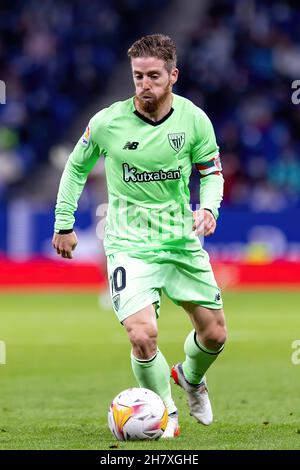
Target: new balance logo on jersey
{"x": 131, "y": 174}
{"x": 218, "y": 297}
{"x": 131, "y": 146}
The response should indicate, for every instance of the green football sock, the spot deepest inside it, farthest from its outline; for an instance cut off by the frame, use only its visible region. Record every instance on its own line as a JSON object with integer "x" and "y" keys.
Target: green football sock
{"x": 198, "y": 358}
{"x": 154, "y": 373}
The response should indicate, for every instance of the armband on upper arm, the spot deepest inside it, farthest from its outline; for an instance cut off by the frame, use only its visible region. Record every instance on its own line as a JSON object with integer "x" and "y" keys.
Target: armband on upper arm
{"x": 211, "y": 167}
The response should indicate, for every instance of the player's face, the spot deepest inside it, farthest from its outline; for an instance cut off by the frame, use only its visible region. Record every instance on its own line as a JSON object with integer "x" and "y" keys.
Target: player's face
{"x": 153, "y": 83}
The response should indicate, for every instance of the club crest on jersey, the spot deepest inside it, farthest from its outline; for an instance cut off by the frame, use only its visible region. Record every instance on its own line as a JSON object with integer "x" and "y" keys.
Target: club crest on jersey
{"x": 86, "y": 136}
{"x": 116, "y": 301}
{"x": 177, "y": 141}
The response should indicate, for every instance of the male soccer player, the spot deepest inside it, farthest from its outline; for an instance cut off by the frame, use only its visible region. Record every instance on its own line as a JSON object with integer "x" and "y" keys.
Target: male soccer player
{"x": 149, "y": 143}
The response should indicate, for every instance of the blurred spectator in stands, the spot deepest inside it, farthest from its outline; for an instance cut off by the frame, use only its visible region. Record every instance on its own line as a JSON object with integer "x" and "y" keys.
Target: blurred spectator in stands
{"x": 238, "y": 68}
{"x": 55, "y": 58}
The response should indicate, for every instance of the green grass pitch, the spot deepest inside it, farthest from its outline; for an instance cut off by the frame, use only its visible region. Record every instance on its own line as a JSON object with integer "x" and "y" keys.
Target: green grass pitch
{"x": 67, "y": 358}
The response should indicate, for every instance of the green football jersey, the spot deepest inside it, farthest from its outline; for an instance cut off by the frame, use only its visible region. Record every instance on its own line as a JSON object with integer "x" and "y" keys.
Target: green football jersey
{"x": 148, "y": 166}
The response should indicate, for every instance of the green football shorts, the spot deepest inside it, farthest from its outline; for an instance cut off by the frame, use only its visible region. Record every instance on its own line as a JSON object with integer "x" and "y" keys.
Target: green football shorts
{"x": 137, "y": 280}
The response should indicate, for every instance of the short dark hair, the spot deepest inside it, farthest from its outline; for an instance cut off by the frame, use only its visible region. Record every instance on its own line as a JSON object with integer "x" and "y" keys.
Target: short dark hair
{"x": 155, "y": 45}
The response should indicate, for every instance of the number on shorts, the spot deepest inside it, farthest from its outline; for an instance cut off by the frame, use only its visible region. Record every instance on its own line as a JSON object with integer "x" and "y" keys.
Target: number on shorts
{"x": 119, "y": 279}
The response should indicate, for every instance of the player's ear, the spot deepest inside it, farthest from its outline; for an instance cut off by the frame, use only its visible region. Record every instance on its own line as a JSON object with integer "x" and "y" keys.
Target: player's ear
{"x": 174, "y": 76}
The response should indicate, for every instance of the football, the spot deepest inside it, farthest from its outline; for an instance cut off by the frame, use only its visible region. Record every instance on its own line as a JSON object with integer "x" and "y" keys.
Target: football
{"x": 137, "y": 414}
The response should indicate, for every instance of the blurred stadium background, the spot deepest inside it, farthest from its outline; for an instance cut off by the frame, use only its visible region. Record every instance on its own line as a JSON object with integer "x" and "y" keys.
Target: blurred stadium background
{"x": 63, "y": 61}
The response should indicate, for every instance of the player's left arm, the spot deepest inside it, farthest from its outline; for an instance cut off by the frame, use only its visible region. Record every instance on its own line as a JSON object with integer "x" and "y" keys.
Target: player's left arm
{"x": 207, "y": 160}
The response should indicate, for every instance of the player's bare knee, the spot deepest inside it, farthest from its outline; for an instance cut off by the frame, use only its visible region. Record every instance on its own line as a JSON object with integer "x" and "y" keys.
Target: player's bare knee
{"x": 144, "y": 342}
{"x": 221, "y": 336}
{"x": 144, "y": 349}
{"x": 214, "y": 338}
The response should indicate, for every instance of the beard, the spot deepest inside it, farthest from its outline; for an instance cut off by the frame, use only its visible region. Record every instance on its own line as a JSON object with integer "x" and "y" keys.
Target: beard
{"x": 151, "y": 105}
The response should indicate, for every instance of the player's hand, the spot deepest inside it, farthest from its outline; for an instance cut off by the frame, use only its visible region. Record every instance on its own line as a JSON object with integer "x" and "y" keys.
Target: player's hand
{"x": 204, "y": 222}
{"x": 65, "y": 244}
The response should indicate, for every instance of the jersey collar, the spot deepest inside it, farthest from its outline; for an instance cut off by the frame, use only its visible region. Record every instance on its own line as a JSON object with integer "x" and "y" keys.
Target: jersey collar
{"x": 149, "y": 121}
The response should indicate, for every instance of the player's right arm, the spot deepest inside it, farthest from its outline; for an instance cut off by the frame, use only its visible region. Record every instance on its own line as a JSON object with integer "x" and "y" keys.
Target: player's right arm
{"x": 80, "y": 163}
